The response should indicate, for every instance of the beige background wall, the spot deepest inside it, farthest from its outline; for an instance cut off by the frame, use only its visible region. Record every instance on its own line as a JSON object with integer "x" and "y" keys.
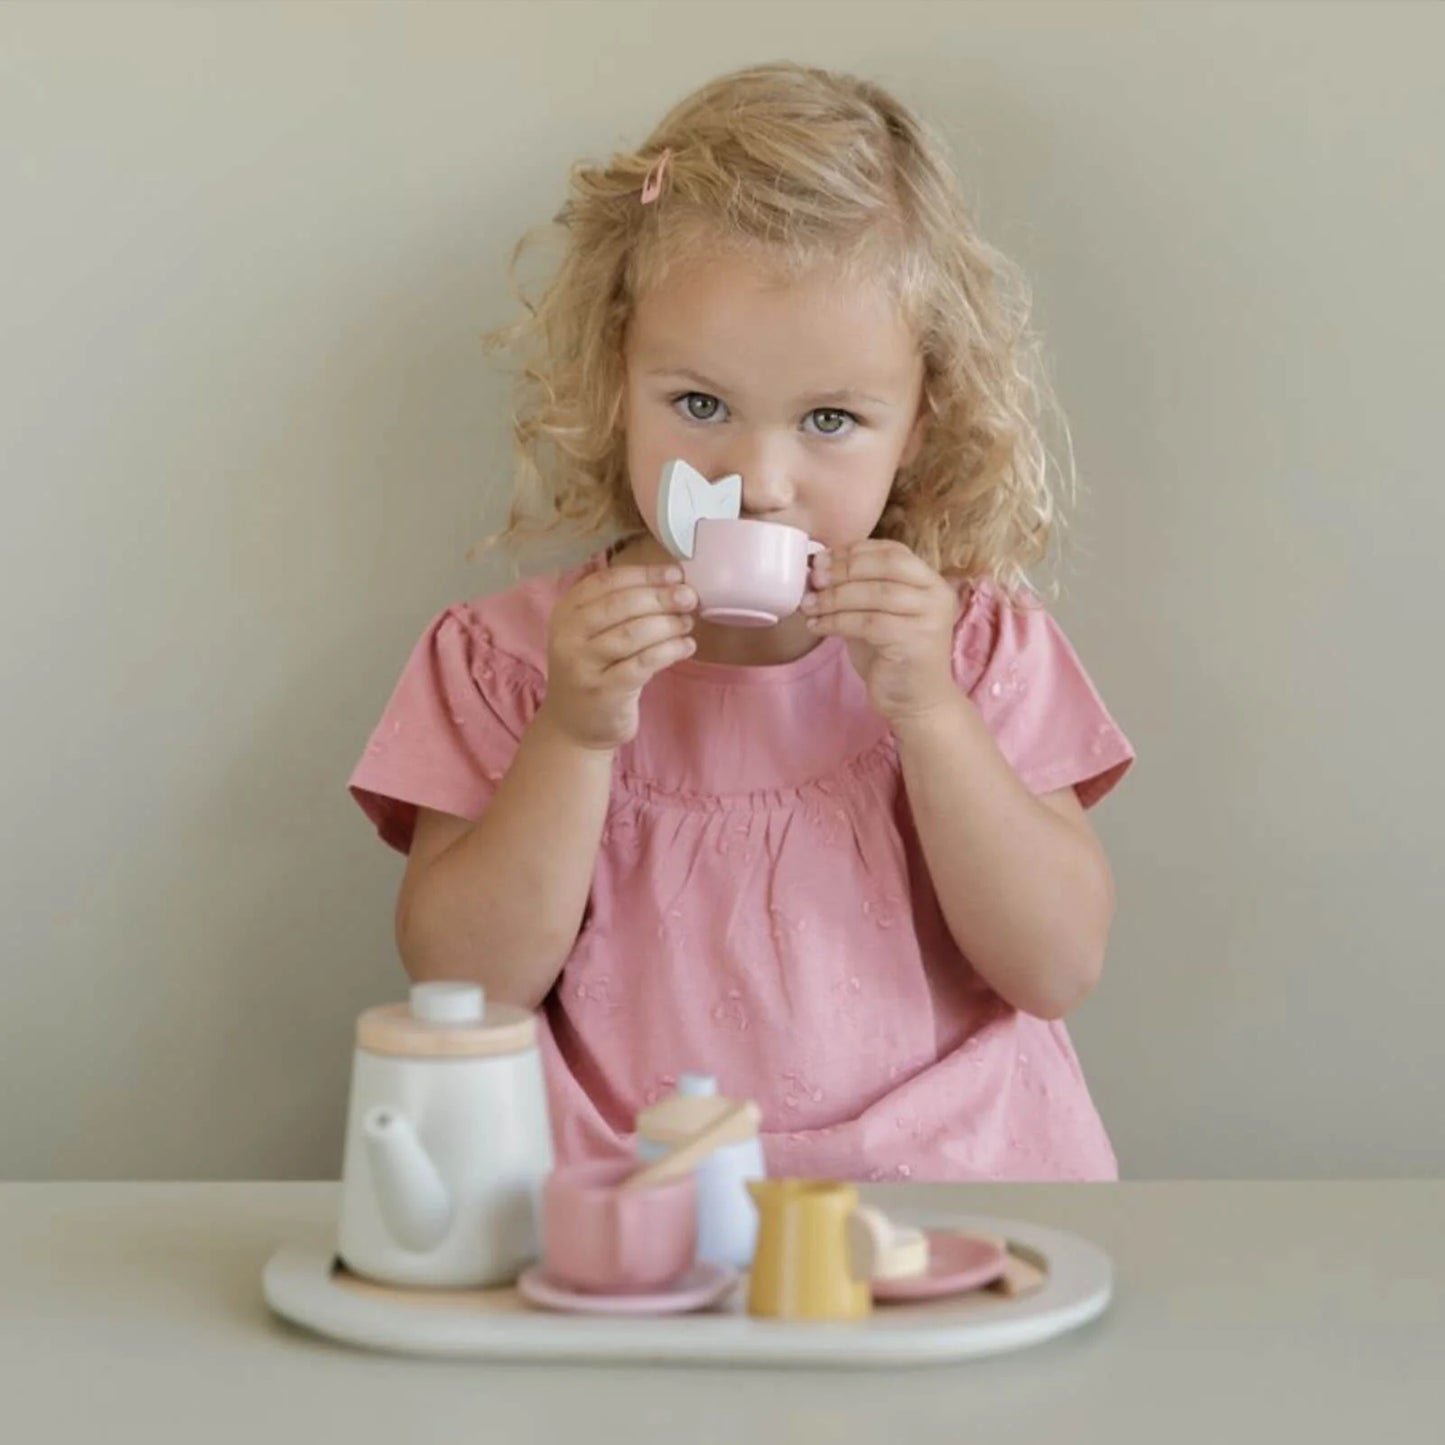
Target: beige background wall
{"x": 246, "y": 432}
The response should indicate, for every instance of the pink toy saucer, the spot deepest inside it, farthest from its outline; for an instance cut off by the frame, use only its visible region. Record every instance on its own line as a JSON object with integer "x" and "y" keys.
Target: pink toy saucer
{"x": 705, "y": 1284}
{"x": 738, "y": 617}
{"x": 956, "y": 1263}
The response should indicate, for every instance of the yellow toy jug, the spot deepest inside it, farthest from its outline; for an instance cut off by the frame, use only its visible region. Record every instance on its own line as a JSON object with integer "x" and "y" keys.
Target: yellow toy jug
{"x": 815, "y": 1253}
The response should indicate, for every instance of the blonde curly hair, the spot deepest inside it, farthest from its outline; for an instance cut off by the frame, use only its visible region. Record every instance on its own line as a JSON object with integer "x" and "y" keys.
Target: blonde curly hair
{"x": 792, "y": 166}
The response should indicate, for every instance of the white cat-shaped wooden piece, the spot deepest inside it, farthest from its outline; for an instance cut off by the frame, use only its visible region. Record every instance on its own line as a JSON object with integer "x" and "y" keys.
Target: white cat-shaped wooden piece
{"x": 685, "y": 497}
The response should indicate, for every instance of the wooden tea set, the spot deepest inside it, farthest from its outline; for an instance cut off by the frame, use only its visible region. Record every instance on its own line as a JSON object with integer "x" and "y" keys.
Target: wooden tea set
{"x": 459, "y": 1234}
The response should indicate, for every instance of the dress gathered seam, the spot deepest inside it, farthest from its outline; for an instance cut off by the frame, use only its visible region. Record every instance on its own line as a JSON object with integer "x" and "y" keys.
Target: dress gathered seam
{"x": 879, "y": 756}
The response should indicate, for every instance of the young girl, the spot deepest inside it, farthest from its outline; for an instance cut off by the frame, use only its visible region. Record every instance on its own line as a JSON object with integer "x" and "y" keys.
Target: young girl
{"x": 842, "y": 864}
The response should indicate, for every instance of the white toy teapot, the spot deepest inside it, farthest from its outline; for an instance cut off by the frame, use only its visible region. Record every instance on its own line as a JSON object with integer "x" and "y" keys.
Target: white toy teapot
{"x": 447, "y": 1141}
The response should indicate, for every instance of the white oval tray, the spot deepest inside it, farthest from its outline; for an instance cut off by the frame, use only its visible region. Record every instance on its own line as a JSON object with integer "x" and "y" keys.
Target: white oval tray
{"x": 301, "y": 1286}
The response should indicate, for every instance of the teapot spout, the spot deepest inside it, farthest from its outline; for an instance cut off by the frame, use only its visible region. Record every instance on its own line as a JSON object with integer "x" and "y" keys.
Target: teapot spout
{"x": 410, "y": 1194}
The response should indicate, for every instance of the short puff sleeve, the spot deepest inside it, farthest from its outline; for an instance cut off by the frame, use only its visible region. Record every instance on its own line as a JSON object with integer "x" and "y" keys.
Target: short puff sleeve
{"x": 451, "y": 729}
{"x": 1020, "y": 671}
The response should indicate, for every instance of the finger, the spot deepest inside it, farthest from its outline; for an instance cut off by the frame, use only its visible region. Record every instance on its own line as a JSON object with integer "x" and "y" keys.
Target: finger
{"x": 627, "y": 639}
{"x": 875, "y": 628}
{"x": 632, "y": 672}
{"x": 615, "y": 608}
{"x": 873, "y": 559}
{"x": 612, "y": 580}
{"x": 899, "y": 598}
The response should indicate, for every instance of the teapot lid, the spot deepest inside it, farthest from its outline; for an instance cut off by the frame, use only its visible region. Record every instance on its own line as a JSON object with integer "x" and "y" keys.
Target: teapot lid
{"x": 446, "y": 1020}
{"x": 686, "y": 497}
{"x": 694, "y": 1106}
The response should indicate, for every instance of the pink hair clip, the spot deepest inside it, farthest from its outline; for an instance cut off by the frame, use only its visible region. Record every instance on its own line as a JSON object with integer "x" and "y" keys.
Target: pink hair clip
{"x": 652, "y": 185}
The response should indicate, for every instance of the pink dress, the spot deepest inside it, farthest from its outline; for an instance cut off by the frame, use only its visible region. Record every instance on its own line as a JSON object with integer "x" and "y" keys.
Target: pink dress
{"x": 761, "y": 910}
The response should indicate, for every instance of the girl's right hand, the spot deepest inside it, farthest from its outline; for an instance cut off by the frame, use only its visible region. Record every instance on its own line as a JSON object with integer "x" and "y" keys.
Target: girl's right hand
{"x": 610, "y": 634}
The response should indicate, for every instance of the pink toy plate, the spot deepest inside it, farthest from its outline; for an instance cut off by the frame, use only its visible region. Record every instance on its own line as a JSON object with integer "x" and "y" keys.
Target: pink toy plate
{"x": 704, "y": 1285}
{"x": 956, "y": 1262}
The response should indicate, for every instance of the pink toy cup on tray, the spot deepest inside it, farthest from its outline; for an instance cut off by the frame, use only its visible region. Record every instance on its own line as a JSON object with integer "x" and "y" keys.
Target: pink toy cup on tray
{"x": 748, "y": 573}
{"x": 601, "y": 1238}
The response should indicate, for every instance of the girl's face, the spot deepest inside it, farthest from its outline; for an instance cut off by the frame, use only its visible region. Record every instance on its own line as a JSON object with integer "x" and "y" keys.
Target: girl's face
{"x": 810, "y": 390}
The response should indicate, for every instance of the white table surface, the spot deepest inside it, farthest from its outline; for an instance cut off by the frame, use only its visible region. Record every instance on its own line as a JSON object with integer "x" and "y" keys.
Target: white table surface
{"x": 1243, "y": 1312}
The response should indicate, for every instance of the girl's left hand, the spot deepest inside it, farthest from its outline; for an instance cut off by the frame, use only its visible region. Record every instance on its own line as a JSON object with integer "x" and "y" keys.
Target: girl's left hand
{"x": 897, "y": 615}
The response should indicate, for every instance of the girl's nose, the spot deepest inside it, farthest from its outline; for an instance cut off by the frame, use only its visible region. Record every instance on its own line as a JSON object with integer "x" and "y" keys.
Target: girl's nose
{"x": 767, "y": 480}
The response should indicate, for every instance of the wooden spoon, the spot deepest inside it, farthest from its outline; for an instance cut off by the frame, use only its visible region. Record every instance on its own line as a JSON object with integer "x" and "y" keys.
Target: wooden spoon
{"x": 695, "y": 1148}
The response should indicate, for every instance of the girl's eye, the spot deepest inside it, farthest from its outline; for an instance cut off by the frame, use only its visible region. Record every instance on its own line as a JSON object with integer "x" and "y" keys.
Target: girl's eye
{"x": 834, "y": 416}
{"x": 831, "y": 422}
{"x": 708, "y": 408}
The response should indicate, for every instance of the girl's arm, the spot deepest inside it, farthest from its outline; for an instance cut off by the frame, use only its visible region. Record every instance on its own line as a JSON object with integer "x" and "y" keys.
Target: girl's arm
{"x": 500, "y": 901}
{"x": 1023, "y": 882}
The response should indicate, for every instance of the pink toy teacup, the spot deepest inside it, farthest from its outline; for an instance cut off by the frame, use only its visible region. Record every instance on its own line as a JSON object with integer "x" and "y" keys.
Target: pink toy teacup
{"x": 748, "y": 573}
{"x": 599, "y": 1237}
